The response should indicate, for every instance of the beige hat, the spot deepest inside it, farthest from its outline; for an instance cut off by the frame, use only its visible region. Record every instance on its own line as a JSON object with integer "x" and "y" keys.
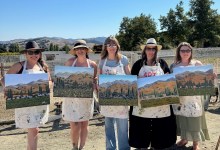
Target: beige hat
{"x": 151, "y": 42}
{"x": 79, "y": 43}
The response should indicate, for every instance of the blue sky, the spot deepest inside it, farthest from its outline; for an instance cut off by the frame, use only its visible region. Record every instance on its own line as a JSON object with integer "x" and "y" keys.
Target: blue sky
{"x": 148, "y": 80}
{"x": 14, "y": 79}
{"x": 76, "y": 19}
{"x": 69, "y": 69}
{"x": 111, "y": 78}
{"x": 192, "y": 68}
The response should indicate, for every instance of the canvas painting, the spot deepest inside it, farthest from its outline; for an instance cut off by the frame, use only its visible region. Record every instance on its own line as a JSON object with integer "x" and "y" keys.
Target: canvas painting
{"x": 118, "y": 90}
{"x": 25, "y": 90}
{"x": 157, "y": 90}
{"x": 75, "y": 82}
{"x": 194, "y": 80}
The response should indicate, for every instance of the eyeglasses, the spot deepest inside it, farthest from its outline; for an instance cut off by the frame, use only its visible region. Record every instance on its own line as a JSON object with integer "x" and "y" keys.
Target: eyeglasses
{"x": 37, "y": 52}
{"x": 111, "y": 45}
{"x": 185, "y": 50}
{"x": 151, "y": 49}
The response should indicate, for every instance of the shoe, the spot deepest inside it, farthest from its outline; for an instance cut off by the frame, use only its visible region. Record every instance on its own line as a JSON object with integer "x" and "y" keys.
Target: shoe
{"x": 181, "y": 143}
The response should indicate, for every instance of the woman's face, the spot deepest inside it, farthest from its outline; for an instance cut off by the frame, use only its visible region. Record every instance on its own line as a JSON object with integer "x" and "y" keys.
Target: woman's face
{"x": 81, "y": 51}
{"x": 150, "y": 52}
{"x": 185, "y": 52}
{"x": 33, "y": 55}
{"x": 111, "y": 47}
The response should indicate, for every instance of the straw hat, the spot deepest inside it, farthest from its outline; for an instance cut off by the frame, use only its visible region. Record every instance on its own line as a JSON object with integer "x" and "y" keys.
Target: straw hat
{"x": 151, "y": 42}
{"x": 78, "y": 44}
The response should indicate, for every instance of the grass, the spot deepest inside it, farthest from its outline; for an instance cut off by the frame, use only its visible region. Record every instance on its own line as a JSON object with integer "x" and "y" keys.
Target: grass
{"x": 200, "y": 91}
{"x": 159, "y": 102}
{"x": 35, "y": 101}
{"x": 118, "y": 102}
{"x": 70, "y": 92}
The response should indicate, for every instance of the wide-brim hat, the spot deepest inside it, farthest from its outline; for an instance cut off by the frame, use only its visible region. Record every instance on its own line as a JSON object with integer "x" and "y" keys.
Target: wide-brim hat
{"x": 78, "y": 44}
{"x": 31, "y": 45}
{"x": 151, "y": 42}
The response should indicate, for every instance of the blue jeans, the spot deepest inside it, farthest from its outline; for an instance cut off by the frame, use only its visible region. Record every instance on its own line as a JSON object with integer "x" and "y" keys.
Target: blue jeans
{"x": 122, "y": 133}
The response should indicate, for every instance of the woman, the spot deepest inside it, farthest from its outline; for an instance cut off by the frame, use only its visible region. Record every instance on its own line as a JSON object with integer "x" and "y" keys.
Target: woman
{"x": 78, "y": 110}
{"x": 154, "y": 126}
{"x": 112, "y": 62}
{"x": 190, "y": 128}
{"x": 30, "y": 117}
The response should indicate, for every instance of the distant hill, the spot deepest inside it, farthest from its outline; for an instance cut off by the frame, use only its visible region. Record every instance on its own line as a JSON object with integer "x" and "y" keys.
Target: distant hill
{"x": 44, "y": 42}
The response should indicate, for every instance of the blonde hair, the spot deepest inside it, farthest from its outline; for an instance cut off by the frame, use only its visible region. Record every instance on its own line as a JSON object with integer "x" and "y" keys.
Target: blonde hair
{"x": 104, "y": 53}
{"x": 178, "y": 57}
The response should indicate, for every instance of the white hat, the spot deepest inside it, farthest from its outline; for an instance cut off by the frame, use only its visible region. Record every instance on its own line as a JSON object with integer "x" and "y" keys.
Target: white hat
{"x": 151, "y": 42}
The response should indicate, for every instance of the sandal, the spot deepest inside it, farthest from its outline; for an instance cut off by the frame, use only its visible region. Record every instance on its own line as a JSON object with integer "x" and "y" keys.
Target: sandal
{"x": 181, "y": 143}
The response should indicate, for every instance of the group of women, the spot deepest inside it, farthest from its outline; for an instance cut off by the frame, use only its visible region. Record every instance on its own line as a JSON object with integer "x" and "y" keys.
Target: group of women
{"x": 154, "y": 127}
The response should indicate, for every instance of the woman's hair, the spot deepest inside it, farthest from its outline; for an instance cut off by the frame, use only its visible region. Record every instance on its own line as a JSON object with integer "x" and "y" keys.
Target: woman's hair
{"x": 178, "y": 57}
{"x": 144, "y": 56}
{"x": 43, "y": 63}
{"x": 104, "y": 53}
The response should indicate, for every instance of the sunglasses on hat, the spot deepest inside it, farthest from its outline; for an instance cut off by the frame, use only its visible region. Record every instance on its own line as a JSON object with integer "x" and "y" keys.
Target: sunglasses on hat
{"x": 37, "y": 52}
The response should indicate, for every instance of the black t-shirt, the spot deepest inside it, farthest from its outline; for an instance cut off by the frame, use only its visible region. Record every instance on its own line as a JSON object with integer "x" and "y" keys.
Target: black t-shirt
{"x": 139, "y": 63}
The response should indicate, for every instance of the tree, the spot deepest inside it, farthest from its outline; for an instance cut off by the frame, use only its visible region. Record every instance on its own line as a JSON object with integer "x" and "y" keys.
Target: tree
{"x": 175, "y": 25}
{"x": 205, "y": 22}
{"x": 65, "y": 48}
{"x": 14, "y": 47}
{"x": 51, "y": 47}
{"x": 134, "y": 31}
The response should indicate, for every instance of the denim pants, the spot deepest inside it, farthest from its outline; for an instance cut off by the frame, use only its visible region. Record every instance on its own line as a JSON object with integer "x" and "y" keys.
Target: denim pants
{"x": 122, "y": 133}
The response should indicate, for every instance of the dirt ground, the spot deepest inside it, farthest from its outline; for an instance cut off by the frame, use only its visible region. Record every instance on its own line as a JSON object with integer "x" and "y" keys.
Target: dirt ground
{"x": 55, "y": 135}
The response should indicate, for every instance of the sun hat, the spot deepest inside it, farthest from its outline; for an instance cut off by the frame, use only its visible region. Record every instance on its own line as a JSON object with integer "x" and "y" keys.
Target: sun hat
{"x": 31, "y": 45}
{"x": 151, "y": 42}
{"x": 78, "y": 44}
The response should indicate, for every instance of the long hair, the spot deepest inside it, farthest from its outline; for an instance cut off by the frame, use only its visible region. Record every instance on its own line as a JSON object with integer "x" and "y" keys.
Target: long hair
{"x": 104, "y": 53}
{"x": 43, "y": 63}
{"x": 178, "y": 57}
{"x": 144, "y": 56}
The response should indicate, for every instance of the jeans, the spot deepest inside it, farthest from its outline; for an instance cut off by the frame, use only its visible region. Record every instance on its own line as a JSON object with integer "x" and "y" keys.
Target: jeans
{"x": 122, "y": 133}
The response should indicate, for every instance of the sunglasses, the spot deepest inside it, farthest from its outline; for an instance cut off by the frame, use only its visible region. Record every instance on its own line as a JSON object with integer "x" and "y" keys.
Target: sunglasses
{"x": 185, "y": 50}
{"x": 111, "y": 45}
{"x": 151, "y": 49}
{"x": 37, "y": 52}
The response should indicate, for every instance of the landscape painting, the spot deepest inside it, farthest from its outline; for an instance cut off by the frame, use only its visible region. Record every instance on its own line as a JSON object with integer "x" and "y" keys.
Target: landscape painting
{"x": 25, "y": 90}
{"x": 157, "y": 90}
{"x": 75, "y": 82}
{"x": 195, "y": 80}
{"x": 118, "y": 90}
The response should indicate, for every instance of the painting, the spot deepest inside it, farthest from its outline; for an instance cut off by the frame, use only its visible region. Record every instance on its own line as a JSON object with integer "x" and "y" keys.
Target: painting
{"x": 195, "y": 80}
{"x": 25, "y": 90}
{"x": 118, "y": 90}
{"x": 75, "y": 82}
{"x": 157, "y": 90}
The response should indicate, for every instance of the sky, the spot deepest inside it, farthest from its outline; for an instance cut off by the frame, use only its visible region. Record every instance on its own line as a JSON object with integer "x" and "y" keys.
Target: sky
{"x": 69, "y": 69}
{"x": 23, "y": 19}
{"x": 23, "y": 78}
{"x": 192, "y": 69}
{"x": 111, "y": 78}
{"x": 148, "y": 80}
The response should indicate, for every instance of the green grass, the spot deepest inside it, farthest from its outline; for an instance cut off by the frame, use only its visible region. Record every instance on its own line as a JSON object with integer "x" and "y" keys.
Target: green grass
{"x": 159, "y": 102}
{"x": 118, "y": 102}
{"x": 19, "y": 103}
{"x": 70, "y": 92}
{"x": 200, "y": 91}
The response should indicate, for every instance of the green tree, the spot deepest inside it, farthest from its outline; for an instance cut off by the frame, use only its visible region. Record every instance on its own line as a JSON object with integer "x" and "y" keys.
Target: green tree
{"x": 14, "y": 47}
{"x": 175, "y": 25}
{"x": 51, "y": 47}
{"x": 205, "y": 23}
{"x": 65, "y": 48}
{"x": 134, "y": 31}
